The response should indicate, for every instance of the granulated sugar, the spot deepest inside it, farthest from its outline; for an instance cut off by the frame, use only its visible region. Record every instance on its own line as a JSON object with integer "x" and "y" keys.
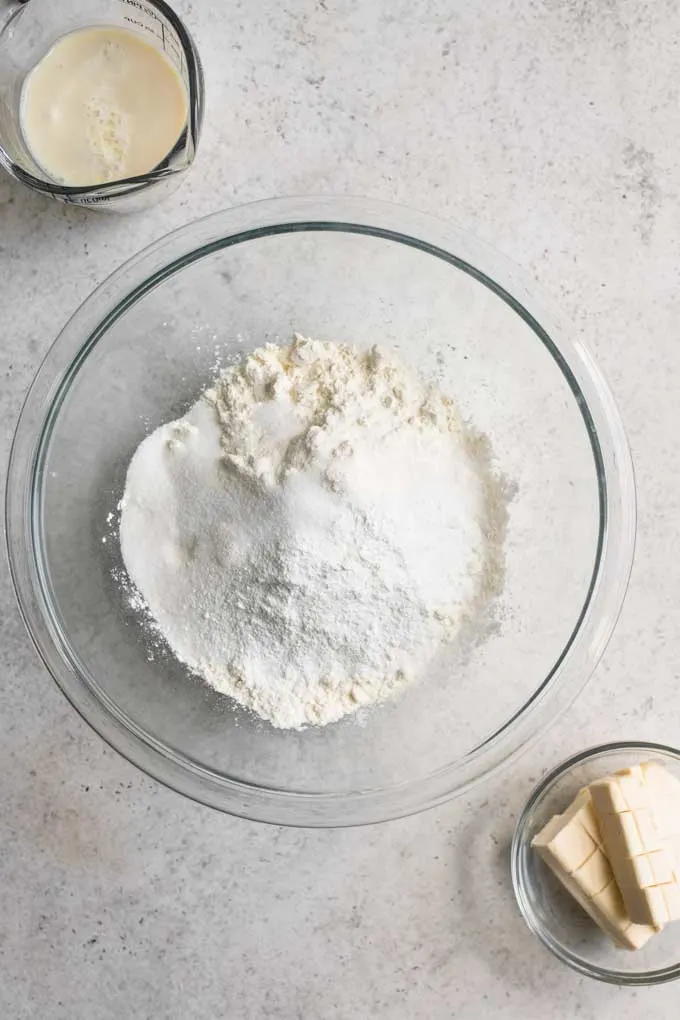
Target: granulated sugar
{"x": 313, "y": 529}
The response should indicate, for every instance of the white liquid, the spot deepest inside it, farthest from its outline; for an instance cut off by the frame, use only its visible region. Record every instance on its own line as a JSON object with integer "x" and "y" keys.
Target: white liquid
{"x": 102, "y": 105}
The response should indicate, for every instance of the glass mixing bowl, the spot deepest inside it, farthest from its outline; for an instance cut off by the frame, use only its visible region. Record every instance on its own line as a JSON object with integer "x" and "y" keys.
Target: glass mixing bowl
{"x": 140, "y": 350}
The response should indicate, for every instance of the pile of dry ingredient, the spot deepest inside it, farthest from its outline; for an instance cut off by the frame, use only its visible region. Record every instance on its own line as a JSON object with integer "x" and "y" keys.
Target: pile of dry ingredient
{"x": 313, "y": 529}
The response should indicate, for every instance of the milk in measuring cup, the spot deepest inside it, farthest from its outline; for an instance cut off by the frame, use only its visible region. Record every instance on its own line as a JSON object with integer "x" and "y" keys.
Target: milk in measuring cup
{"x": 102, "y": 105}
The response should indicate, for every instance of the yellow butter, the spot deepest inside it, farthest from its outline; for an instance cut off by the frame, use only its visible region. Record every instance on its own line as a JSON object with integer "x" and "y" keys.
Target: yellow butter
{"x": 572, "y": 847}
{"x": 638, "y": 814}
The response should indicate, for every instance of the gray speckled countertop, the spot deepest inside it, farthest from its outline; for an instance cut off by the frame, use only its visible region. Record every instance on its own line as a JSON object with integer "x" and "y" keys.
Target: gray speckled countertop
{"x": 550, "y": 128}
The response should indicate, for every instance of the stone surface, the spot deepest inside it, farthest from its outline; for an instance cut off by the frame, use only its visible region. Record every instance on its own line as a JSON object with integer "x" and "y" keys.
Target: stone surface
{"x": 550, "y": 129}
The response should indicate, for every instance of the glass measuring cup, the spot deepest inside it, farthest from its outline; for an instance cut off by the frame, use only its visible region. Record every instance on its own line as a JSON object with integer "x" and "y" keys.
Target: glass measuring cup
{"x": 31, "y": 28}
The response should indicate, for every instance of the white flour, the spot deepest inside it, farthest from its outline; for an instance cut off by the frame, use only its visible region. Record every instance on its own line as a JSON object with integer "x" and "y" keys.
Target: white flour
{"x": 313, "y": 529}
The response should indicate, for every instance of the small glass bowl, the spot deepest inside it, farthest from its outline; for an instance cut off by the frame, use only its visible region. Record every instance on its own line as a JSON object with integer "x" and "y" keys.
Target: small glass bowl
{"x": 547, "y": 907}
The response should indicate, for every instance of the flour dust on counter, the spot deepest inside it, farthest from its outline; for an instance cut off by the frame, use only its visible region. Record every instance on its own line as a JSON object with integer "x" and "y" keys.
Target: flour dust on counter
{"x": 313, "y": 530}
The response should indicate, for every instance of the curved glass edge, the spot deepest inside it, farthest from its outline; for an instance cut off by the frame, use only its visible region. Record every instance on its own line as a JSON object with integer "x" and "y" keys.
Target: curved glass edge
{"x": 520, "y": 849}
{"x": 322, "y": 809}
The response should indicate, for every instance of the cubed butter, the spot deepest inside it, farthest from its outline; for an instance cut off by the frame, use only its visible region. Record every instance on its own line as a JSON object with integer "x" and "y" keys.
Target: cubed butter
{"x": 572, "y": 847}
{"x": 638, "y": 814}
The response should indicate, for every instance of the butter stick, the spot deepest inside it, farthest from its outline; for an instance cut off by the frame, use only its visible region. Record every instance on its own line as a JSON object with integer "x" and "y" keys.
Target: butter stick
{"x": 638, "y": 813}
{"x": 572, "y": 847}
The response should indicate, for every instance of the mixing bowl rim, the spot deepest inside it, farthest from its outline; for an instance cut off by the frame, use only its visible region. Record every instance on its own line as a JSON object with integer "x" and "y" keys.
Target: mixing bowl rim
{"x": 69, "y": 352}
{"x": 520, "y": 851}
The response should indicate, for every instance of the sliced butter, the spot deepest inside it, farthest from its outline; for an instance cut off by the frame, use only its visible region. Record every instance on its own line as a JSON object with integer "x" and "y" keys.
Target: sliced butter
{"x": 571, "y": 845}
{"x": 638, "y": 813}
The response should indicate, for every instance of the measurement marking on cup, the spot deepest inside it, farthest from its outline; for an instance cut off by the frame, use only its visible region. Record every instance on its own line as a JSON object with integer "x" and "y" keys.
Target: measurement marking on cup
{"x": 140, "y": 6}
